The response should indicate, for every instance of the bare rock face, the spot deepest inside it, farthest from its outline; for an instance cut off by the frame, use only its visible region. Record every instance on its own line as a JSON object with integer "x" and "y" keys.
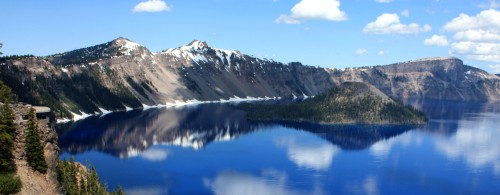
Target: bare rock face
{"x": 122, "y": 73}
{"x": 34, "y": 182}
{"x": 430, "y": 78}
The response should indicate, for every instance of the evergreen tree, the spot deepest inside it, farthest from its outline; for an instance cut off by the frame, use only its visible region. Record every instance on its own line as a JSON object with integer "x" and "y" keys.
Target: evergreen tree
{"x": 118, "y": 191}
{"x": 9, "y": 183}
{"x": 75, "y": 180}
{"x": 7, "y": 131}
{"x": 7, "y": 118}
{"x": 1, "y": 45}
{"x": 34, "y": 148}
{"x": 6, "y": 146}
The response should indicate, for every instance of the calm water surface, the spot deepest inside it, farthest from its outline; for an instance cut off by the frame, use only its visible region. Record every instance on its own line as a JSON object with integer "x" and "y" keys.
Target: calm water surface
{"x": 213, "y": 149}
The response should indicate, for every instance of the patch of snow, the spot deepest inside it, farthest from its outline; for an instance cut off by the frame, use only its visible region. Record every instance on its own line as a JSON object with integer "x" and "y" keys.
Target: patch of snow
{"x": 198, "y": 58}
{"x": 63, "y": 120}
{"x": 468, "y": 72}
{"x": 146, "y": 107}
{"x": 64, "y": 69}
{"x": 234, "y": 99}
{"x": 77, "y": 117}
{"x": 130, "y": 45}
{"x": 294, "y": 96}
{"x": 194, "y": 46}
{"x": 104, "y": 111}
{"x": 128, "y": 108}
{"x": 304, "y": 96}
{"x": 184, "y": 103}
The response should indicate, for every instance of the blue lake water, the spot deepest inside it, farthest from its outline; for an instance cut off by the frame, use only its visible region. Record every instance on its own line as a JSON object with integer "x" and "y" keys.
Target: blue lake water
{"x": 213, "y": 149}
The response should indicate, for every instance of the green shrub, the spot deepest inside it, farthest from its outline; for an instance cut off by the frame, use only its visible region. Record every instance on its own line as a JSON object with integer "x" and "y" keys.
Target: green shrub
{"x": 9, "y": 184}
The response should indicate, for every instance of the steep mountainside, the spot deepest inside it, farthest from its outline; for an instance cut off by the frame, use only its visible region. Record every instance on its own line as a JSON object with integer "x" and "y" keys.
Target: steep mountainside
{"x": 430, "y": 78}
{"x": 121, "y": 74}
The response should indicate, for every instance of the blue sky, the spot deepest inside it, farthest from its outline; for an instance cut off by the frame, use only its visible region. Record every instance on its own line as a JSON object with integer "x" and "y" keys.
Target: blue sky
{"x": 327, "y": 33}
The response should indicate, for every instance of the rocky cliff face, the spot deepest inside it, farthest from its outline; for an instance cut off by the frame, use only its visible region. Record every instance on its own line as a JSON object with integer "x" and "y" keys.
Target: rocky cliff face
{"x": 431, "y": 78}
{"x": 121, "y": 74}
{"x": 33, "y": 181}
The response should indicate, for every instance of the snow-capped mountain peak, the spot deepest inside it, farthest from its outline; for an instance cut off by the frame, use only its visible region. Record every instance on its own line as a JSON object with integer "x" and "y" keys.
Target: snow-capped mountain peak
{"x": 126, "y": 45}
{"x": 199, "y": 51}
{"x": 197, "y": 45}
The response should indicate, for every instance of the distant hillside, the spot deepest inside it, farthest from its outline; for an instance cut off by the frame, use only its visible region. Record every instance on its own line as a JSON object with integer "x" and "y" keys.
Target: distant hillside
{"x": 429, "y": 78}
{"x": 350, "y": 103}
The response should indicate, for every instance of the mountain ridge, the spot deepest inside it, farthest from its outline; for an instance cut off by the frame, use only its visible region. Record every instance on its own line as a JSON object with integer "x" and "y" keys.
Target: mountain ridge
{"x": 121, "y": 73}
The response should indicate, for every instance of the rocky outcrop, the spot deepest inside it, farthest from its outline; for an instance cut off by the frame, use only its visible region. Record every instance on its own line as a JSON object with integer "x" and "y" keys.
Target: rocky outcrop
{"x": 121, "y": 74}
{"x": 33, "y": 181}
{"x": 431, "y": 78}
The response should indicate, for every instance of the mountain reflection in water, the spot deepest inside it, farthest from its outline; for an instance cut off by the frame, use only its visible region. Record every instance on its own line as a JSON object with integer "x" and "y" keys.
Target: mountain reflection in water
{"x": 126, "y": 134}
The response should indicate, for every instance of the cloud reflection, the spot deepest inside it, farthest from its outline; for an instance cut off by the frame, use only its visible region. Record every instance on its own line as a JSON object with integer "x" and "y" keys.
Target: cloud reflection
{"x": 150, "y": 190}
{"x": 270, "y": 183}
{"x": 151, "y": 154}
{"x": 382, "y": 149}
{"x": 476, "y": 141}
{"x": 317, "y": 156}
{"x": 369, "y": 186}
{"x": 155, "y": 154}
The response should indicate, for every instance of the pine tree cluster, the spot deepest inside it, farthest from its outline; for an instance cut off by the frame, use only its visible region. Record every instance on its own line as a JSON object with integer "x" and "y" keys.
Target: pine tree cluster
{"x": 8, "y": 182}
{"x": 75, "y": 179}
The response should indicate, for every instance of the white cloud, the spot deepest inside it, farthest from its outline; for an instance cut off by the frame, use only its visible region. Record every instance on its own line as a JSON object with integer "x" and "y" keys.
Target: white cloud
{"x": 496, "y": 69}
{"x": 492, "y": 5}
{"x": 314, "y": 10}
{"x": 152, "y": 6}
{"x": 390, "y": 24}
{"x": 437, "y": 40}
{"x": 487, "y": 20}
{"x": 477, "y": 37}
{"x": 384, "y": 1}
{"x": 287, "y": 19}
{"x": 405, "y": 13}
{"x": 381, "y": 53}
{"x": 361, "y": 51}
{"x": 477, "y": 50}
